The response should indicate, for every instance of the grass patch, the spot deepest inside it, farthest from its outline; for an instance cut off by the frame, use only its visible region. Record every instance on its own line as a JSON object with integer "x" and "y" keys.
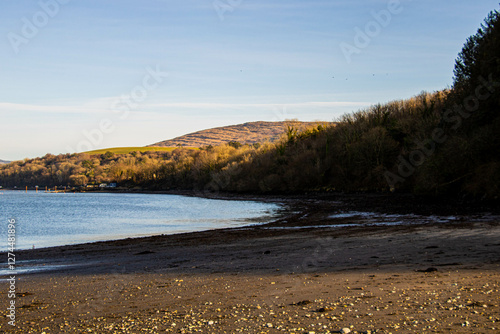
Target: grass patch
{"x": 126, "y": 150}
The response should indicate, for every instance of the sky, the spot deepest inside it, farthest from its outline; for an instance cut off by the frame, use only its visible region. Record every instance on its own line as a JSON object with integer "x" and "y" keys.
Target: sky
{"x": 77, "y": 75}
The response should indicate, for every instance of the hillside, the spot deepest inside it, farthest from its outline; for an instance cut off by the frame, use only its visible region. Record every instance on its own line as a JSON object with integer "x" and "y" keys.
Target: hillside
{"x": 246, "y": 133}
{"x": 127, "y": 150}
{"x": 3, "y": 162}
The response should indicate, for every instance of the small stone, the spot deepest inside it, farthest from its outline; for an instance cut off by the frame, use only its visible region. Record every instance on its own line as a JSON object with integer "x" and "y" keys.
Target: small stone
{"x": 345, "y": 330}
{"x": 324, "y": 309}
{"x": 269, "y": 325}
{"x": 428, "y": 270}
{"x": 302, "y": 303}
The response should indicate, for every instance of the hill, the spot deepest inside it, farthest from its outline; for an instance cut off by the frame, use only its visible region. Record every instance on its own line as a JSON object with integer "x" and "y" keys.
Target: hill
{"x": 3, "y": 162}
{"x": 126, "y": 150}
{"x": 246, "y": 133}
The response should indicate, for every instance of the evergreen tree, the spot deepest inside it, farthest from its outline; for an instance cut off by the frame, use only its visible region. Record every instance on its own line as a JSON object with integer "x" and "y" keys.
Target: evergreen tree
{"x": 480, "y": 56}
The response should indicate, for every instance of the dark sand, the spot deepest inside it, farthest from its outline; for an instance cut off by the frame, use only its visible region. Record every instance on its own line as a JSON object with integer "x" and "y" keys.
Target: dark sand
{"x": 423, "y": 278}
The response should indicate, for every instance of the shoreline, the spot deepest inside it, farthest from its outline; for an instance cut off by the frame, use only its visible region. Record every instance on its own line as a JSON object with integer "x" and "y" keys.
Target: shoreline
{"x": 384, "y": 279}
{"x": 320, "y": 205}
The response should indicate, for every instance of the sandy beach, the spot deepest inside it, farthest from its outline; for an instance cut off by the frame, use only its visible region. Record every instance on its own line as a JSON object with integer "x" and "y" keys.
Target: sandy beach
{"x": 300, "y": 274}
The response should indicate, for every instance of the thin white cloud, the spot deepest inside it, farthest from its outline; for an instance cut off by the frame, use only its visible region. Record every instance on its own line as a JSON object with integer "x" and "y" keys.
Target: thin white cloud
{"x": 19, "y": 107}
{"x": 103, "y": 105}
{"x": 97, "y": 105}
{"x": 210, "y": 105}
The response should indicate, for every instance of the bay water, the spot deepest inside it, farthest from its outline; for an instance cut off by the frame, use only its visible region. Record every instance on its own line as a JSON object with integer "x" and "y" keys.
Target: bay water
{"x": 55, "y": 219}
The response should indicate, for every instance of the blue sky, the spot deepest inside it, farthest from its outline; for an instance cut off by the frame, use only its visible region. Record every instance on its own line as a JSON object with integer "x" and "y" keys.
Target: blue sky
{"x": 79, "y": 75}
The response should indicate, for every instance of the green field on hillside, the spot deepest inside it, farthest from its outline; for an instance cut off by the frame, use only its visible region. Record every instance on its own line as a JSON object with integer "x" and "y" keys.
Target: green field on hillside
{"x": 125, "y": 150}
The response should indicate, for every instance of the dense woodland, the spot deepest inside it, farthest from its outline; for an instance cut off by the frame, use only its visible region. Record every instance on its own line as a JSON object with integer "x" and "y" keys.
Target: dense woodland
{"x": 440, "y": 143}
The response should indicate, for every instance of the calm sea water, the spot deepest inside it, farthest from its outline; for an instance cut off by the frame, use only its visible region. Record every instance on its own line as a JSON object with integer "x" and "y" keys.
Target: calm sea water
{"x": 49, "y": 219}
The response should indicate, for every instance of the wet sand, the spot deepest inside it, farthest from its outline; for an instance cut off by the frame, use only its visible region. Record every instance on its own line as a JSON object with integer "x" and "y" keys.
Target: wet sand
{"x": 429, "y": 277}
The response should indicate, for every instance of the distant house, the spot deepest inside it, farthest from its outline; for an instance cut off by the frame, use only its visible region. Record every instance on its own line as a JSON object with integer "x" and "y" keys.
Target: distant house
{"x": 103, "y": 185}
{"x": 111, "y": 185}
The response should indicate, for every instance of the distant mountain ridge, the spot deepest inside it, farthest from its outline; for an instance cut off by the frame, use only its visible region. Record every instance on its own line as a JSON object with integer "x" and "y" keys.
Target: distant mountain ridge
{"x": 246, "y": 133}
{"x": 3, "y": 162}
